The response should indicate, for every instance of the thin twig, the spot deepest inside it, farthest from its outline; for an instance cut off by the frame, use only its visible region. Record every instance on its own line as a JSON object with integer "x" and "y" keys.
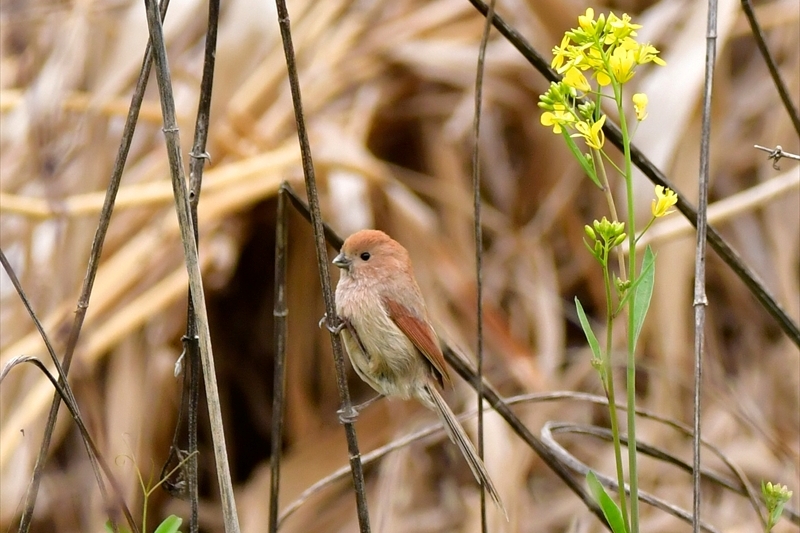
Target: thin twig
{"x": 612, "y": 132}
{"x": 783, "y": 91}
{"x": 280, "y": 312}
{"x": 478, "y": 230}
{"x": 172, "y": 138}
{"x": 700, "y": 299}
{"x": 776, "y": 154}
{"x": 91, "y": 272}
{"x": 331, "y": 237}
{"x": 322, "y": 265}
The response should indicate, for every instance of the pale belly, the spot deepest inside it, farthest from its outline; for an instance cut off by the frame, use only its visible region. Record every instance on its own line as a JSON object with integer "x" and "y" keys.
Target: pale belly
{"x": 382, "y": 355}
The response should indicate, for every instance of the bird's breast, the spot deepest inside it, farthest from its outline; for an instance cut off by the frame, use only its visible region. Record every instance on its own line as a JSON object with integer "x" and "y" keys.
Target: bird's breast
{"x": 380, "y": 352}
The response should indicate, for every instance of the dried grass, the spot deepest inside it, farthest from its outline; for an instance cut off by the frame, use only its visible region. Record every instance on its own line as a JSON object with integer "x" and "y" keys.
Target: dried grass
{"x": 387, "y": 88}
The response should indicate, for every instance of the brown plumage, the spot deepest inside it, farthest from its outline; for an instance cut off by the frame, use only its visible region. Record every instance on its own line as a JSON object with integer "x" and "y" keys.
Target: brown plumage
{"x": 389, "y": 337}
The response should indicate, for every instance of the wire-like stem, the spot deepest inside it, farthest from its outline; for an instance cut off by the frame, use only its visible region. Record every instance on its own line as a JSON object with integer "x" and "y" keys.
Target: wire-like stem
{"x": 777, "y": 80}
{"x": 478, "y": 230}
{"x": 322, "y": 266}
{"x": 741, "y": 486}
{"x": 700, "y": 300}
{"x": 280, "y": 313}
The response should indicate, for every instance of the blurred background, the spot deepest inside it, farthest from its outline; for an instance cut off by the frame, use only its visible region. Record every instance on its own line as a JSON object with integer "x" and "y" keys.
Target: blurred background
{"x": 388, "y": 90}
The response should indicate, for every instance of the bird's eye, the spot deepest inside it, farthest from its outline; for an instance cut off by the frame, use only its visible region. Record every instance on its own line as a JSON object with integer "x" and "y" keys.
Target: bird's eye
{"x": 365, "y": 256}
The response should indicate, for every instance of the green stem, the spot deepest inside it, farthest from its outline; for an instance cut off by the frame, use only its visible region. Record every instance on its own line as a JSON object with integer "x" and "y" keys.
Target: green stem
{"x": 647, "y": 227}
{"x": 611, "y": 162}
{"x": 631, "y": 367}
{"x": 144, "y": 512}
{"x": 608, "y": 384}
{"x": 612, "y": 207}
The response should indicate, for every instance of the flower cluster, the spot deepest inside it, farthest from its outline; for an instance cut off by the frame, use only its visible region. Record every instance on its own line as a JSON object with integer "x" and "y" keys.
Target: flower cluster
{"x": 775, "y": 497}
{"x": 603, "y": 235}
{"x": 604, "y": 50}
{"x": 605, "y": 46}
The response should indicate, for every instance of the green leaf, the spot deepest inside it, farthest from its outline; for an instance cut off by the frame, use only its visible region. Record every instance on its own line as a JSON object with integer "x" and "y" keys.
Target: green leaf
{"x": 643, "y": 292}
{"x": 587, "y": 167}
{"x": 610, "y": 508}
{"x": 776, "y": 513}
{"x": 587, "y": 330}
{"x": 121, "y": 529}
{"x": 170, "y": 525}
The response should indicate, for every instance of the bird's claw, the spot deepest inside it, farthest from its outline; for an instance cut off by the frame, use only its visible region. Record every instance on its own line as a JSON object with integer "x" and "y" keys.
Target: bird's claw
{"x": 333, "y": 329}
{"x": 347, "y": 416}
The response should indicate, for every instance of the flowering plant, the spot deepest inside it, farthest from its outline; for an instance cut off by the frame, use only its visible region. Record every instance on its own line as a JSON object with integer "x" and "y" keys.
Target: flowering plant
{"x": 595, "y": 60}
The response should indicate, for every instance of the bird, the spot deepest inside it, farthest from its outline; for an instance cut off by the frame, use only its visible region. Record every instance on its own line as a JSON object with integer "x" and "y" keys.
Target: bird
{"x": 389, "y": 338}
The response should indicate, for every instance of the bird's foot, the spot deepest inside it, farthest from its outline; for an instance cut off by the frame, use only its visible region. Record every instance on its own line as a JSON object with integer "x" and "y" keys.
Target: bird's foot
{"x": 335, "y": 329}
{"x": 348, "y": 416}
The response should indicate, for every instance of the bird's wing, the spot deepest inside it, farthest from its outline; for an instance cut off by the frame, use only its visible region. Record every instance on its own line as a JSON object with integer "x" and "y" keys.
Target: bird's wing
{"x": 421, "y": 334}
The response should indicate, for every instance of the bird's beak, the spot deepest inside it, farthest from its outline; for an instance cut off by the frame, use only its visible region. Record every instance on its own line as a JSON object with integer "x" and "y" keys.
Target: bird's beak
{"x": 341, "y": 261}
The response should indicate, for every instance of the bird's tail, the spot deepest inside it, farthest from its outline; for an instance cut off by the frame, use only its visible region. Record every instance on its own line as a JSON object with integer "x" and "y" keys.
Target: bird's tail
{"x": 460, "y": 438}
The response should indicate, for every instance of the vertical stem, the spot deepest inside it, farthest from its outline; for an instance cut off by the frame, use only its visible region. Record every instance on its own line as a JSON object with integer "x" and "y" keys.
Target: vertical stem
{"x": 608, "y": 384}
{"x": 322, "y": 265}
{"x": 700, "y": 300}
{"x": 280, "y": 313}
{"x": 196, "y": 165}
{"x": 612, "y": 206}
{"x": 183, "y": 209}
{"x": 478, "y": 229}
{"x": 631, "y": 362}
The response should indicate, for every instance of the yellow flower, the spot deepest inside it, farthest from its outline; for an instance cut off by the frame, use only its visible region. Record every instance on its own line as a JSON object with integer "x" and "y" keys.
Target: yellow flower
{"x": 640, "y": 105}
{"x": 603, "y": 79}
{"x": 574, "y": 78}
{"x": 559, "y": 117}
{"x": 665, "y": 198}
{"x": 622, "y": 62}
{"x": 560, "y": 53}
{"x": 646, "y": 53}
{"x": 621, "y": 28}
{"x": 592, "y": 133}
{"x": 585, "y": 21}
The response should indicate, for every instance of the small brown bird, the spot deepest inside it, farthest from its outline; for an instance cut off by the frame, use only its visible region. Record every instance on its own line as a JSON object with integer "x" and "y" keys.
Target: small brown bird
{"x": 389, "y": 337}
